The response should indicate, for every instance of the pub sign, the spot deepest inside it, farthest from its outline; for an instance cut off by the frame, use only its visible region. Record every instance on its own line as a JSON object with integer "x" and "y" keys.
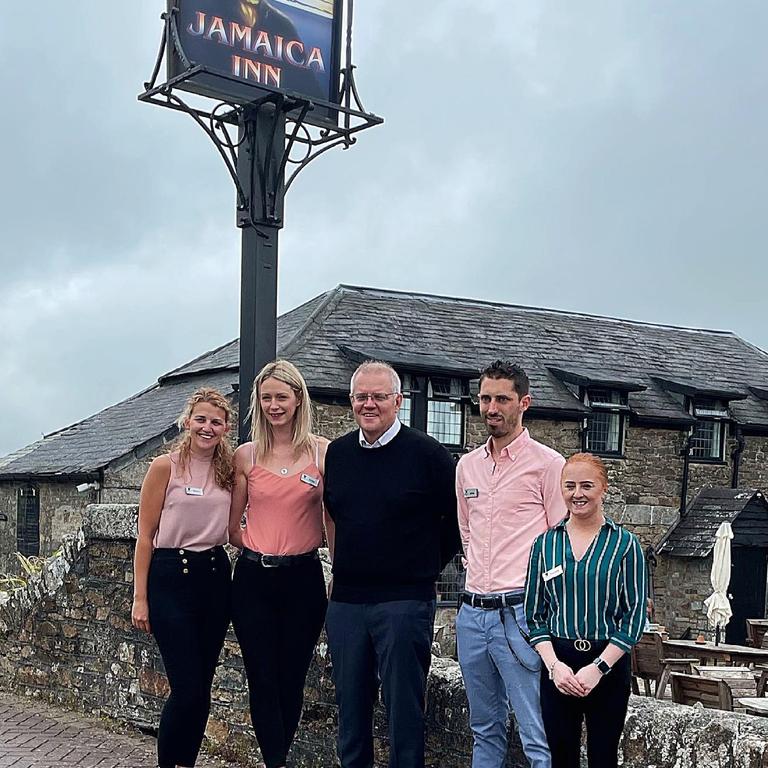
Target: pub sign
{"x": 237, "y": 50}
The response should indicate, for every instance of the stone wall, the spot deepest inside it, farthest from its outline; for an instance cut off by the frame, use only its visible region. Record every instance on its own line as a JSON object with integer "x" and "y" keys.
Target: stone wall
{"x": 68, "y": 639}
{"x": 8, "y": 506}
{"x": 333, "y": 421}
{"x": 62, "y": 509}
{"x": 681, "y": 586}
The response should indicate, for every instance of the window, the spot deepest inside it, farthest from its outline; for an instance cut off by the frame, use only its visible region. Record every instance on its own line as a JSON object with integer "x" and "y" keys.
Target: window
{"x": 408, "y": 387}
{"x": 28, "y": 521}
{"x": 445, "y": 409}
{"x": 435, "y": 405}
{"x": 708, "y": 436}
{"x": 604, "y": 433}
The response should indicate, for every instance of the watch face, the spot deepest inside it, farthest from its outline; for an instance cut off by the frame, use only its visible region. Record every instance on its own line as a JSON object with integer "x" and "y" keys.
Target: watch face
{"x": 603, "y": 666}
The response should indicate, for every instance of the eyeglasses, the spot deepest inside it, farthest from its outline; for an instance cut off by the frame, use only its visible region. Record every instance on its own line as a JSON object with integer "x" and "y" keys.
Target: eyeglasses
{"x": 377, "y": 397}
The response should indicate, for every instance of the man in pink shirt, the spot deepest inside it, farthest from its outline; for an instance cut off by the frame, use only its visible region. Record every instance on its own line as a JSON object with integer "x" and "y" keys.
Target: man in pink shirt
{"x": 508, "y": 493}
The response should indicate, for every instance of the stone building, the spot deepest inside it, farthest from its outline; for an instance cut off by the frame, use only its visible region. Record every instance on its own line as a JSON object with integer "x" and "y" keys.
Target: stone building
{"x": 672, "y": 410}
{"x": 683, "y": 573}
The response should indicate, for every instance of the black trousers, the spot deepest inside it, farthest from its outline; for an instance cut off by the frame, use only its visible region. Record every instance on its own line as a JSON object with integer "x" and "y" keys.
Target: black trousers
{"x": 604, "y": 710}
{"x": 277, "y": 614}
{"x": 189, "y": 600}
{"x": 388, "y": 643}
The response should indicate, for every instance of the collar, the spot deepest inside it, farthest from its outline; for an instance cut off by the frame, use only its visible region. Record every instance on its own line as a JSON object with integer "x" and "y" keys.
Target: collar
{"x": 607, "y": 522}
{"x": 517, "y": 445}
{"x": 387, "y": 437}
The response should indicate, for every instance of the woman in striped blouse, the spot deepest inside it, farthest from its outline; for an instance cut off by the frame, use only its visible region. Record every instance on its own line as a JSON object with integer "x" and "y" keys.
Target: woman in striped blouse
{"x": 585, "y": 606}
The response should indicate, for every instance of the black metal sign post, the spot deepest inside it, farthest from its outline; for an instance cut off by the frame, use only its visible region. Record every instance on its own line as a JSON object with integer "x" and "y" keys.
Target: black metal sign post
{"x": 266, "y": 131}
{"x": 262, "y": 130}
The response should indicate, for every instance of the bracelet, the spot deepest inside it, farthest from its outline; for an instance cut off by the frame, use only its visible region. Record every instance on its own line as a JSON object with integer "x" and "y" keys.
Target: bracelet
{"x": 552, "y": 669}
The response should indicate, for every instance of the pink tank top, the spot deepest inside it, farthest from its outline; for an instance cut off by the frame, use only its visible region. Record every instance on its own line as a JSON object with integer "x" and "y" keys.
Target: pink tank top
{"x": 195, "y": 513}
{"x": 285, "y": 512}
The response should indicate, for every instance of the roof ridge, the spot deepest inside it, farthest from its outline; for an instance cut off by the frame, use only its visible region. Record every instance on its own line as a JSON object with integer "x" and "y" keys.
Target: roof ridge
{"x": 523, "y": 307}
{"x": 303, "y": 332}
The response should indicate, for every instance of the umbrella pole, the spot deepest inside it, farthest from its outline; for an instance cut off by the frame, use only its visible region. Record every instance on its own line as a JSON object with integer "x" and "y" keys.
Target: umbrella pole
{"x": 717, "y": 634}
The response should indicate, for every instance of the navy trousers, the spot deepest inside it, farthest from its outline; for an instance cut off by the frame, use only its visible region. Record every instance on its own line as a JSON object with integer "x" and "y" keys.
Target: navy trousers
{"x": 387, "y": 644}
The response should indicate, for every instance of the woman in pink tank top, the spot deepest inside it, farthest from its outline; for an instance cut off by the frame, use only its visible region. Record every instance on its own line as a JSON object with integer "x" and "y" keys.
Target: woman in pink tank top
{"x": 278, "y": 590}
{"x": 182, "y": 585}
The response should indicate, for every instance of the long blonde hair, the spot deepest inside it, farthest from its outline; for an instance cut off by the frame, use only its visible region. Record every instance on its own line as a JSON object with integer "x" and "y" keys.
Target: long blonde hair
{"x": 261, "y": 429}
{"x": 223, "y": 454}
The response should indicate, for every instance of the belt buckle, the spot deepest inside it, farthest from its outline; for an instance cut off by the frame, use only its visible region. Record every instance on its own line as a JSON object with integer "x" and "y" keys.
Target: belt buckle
{"x": 267, "y": 564}
{"x": 582, "y": 645}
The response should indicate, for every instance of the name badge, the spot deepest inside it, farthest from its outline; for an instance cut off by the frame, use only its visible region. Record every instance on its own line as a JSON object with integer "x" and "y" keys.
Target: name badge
{"x": 550, "y": 574}
{"x": 471, "y": 493}
{"x": 309, "y": 480}
{"x": 192, "y": 491}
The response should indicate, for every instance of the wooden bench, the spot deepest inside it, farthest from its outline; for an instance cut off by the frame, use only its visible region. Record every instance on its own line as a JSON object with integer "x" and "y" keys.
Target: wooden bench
{"x": 648, "y": 663}
{"x": 740, "y": 680}
{"x": 711, "y": 693}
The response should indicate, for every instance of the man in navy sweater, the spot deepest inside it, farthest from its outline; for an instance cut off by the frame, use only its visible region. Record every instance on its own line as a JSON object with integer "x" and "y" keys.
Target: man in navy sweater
{"x": 390, "y": 492}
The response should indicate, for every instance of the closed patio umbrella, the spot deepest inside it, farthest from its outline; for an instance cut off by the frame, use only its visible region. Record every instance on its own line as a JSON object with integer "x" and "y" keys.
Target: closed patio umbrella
{"x": 718, "y": 606}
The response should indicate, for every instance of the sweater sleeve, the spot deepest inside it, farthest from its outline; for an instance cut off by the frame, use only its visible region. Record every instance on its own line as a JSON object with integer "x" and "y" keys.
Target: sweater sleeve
{"x": 444, "y": 478}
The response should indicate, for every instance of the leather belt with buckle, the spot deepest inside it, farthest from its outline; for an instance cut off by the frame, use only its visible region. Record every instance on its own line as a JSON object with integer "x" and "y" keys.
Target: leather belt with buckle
{"x": 492, "y": 602}
{"x": 277, "y": 561}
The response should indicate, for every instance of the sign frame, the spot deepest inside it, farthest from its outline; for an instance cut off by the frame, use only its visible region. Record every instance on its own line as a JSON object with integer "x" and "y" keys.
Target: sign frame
{"x": 200, "y": 78}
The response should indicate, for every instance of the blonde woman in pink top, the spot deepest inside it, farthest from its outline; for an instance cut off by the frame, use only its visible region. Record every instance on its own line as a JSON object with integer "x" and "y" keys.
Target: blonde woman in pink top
{"x": 181, "y": 590}
{"x": 278, "y": 591}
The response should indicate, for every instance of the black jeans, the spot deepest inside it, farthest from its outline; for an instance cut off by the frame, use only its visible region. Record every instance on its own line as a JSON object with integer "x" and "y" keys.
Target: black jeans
{"x": 604, "y": 710}
{"x": 390, "y": 643}
{"x": 277, "y": 614}
{"x": 189, "y": 599}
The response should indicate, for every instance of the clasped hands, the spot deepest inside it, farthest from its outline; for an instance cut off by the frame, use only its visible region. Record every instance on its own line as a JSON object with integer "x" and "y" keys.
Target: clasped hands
{"x": 579, "y": 683}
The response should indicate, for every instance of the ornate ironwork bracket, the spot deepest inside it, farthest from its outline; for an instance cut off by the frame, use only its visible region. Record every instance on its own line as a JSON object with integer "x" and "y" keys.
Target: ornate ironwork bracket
{"x": 236, "y": 129}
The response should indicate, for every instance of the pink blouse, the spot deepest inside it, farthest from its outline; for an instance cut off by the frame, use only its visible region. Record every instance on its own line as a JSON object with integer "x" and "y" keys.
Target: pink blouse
{"x": 195, "y": 513}
{"x": 285, "y": 513}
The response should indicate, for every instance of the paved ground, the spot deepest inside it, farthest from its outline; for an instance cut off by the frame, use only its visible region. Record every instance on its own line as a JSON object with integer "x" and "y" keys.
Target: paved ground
{"x": 34, "y": 735}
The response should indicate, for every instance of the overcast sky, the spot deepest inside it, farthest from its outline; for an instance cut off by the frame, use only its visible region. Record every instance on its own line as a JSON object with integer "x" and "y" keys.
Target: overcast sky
{"x": 606, "y": 157}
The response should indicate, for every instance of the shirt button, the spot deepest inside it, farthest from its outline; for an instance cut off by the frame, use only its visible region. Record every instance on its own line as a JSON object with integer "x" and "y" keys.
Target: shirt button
{"x": 186, "y": 570}
{"x": 184, "y": 560}
{"x": 181, "y": 551}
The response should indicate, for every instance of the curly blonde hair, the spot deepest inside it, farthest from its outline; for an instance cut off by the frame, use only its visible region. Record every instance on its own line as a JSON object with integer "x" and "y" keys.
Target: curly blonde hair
{"x": 261, "y": 429}
{"x": 222, "y": 456}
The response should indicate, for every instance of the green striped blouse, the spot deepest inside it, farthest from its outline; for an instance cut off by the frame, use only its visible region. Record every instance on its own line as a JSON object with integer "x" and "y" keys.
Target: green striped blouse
{"x": 600, "y": 597}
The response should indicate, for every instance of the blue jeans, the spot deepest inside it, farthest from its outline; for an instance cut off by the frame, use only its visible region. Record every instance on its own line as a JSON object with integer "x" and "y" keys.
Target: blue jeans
{"x": 500, "y": 670}
{"x": 388, "y": 643}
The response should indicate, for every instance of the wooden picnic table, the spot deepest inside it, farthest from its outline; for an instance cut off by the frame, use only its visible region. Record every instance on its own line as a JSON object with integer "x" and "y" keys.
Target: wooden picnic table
{"x": 724, "y": 653}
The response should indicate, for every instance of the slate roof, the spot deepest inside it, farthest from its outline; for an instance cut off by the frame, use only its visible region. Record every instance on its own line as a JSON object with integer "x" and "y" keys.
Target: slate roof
{"x": 694, "y": 534}
{"x": 326, "y": 337}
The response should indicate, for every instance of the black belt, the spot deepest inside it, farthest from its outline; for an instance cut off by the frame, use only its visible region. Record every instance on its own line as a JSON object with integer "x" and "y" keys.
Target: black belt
{"x": 492, "y": 602}
{"x": 276, "y": 561}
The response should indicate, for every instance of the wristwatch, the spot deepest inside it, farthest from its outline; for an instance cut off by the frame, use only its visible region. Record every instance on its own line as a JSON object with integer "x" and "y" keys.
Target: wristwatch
{"x": 602, "y": 665}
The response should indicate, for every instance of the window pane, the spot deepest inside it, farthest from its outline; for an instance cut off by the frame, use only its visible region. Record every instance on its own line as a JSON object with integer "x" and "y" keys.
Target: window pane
{"x": 604, "y": 432}
{"x": 705, "y": 443}
{"x": 611, "y": 396}
{"x": 405, "y": 412}
{"x": 444, "y": 421}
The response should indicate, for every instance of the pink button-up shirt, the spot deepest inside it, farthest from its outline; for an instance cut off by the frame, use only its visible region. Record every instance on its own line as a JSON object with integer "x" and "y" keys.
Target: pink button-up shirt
{"x": 503, "y": 506}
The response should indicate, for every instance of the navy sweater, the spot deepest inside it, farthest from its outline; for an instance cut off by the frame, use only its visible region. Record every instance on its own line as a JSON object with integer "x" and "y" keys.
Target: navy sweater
{"x": 395, "y": 513}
